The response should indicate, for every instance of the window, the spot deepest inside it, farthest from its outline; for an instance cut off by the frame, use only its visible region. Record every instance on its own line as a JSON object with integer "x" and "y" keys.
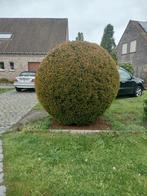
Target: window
{"x": 11, "y": 66}
{"x": 5, "y": 35}
{"x": 2, "y": 65}
{"x": 133, "y": 46}
{"x": 124, "y": 75}
{"x": 124, "y": 48}
{"x": 27, "y": 73}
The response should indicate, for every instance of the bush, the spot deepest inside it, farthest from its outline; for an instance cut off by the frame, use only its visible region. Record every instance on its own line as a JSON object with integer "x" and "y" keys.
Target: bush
{"x": 145, "y": 108}
{"x": 128, "y": 67}
{"x": 145, "y": 78}
{"x": 145, "y": 74}
{"x": 77, "y": 82}
{"x": 5, "y": 80}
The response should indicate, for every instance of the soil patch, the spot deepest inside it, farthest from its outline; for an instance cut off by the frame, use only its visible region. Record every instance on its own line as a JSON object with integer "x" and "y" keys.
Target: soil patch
{"x": 33, "y": 116}
{"x": 100, "y": 124}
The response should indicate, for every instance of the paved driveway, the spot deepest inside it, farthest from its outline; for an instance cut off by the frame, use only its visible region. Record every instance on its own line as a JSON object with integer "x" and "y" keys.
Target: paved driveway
{"x": 13, "y": 106}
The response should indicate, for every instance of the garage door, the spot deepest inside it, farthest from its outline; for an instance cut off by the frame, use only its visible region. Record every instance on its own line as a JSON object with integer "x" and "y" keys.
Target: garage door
{"x": 33, "y": 66}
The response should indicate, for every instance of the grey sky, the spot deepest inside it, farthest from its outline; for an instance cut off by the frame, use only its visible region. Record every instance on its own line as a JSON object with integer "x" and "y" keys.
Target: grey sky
{"x": 87, "y": 16}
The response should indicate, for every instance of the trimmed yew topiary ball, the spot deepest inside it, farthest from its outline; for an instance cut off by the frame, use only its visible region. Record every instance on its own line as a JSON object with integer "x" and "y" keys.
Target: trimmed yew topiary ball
{"x": 77, "y": 82}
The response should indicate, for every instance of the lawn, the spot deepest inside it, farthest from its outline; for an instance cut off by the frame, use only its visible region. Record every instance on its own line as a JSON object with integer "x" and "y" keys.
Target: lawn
{"x": 3, "y": 90}
{"x": 51, "y": 164}
{"x": 38, "y": 162}
{"x": 126, "y": 114}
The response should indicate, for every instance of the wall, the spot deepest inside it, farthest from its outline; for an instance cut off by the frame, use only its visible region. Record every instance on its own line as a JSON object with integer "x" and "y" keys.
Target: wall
{"x": 20, "y": 63}
{"x": 139, "y": 58}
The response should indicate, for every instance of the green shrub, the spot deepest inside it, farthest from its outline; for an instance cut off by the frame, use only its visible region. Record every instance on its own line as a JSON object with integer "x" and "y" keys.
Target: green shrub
{"x": 145, "y": 74}
{"x": 128, "y": 67}
{"x": 145, "y": 107}
{"x": 5, "y": 80}
{"x": 145, "y": 77}
{"x": 77, "y": 82}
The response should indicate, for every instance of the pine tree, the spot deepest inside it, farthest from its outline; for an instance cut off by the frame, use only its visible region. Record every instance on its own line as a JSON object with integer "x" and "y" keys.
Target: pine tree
{"x": 108, "y": 41}
{"x": 80, "y": 37}
{"x": 114, "y": 54}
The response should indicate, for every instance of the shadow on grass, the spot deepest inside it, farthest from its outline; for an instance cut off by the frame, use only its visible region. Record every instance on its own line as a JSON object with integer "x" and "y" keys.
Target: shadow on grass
{"x": 125, "y": 97}
{"x": 145, "y": 121}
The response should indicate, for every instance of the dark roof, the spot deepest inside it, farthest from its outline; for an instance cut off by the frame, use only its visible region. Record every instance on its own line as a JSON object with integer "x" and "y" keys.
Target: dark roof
{"x": 32, "y": 35}
{"x": 144, "y": 25}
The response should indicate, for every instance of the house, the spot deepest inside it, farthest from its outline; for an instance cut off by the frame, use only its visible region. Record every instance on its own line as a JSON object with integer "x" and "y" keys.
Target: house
{"x": 24, "y": 42}
{"x": 132, "y": 47}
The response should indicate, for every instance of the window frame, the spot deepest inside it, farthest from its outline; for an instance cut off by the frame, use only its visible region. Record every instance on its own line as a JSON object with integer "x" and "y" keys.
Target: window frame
{"x": 133, "y": 51}
{"x": 122, "y": 49}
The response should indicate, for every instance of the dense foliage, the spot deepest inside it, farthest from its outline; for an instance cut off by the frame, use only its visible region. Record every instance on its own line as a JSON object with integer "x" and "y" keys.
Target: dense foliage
{"x": 145, "y": 108}
{"x": 129, "y": 67}
{"x": 145, "y": 74}
{"x": 80, "y": 37}
{"x": 77, "y": 82}
{"x": 108, "y": 41}
{"x": 5, "y": 80}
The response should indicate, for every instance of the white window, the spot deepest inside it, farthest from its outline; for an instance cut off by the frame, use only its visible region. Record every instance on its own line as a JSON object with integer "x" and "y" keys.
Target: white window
{"x": 124, "y": 48}
{"x": 5, "y": 35}
{"x": 133, "y": 46}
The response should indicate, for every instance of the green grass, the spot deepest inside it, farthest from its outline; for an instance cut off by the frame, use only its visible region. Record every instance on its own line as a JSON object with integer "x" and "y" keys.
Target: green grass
{"x": 3, "y": 90}
{"x": 38, "y": 107}
{"x": 126, "y": 114}
{"x": 37, "y": 162}
{"x": 40, "y": 125}
{"x": 47, "y": 164}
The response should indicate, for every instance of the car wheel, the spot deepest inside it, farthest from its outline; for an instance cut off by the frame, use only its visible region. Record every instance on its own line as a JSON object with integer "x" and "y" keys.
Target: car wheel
{"x": 138, "y": 91}
{"x": 18, "y": 89}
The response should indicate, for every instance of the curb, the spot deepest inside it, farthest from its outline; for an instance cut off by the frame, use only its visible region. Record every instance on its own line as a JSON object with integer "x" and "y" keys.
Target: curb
{"x": 75, "y": 131}
{"x": 2, "y": 187}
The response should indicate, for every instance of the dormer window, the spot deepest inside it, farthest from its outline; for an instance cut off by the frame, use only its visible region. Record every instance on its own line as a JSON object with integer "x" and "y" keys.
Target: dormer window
{"x": 4, "y": 36}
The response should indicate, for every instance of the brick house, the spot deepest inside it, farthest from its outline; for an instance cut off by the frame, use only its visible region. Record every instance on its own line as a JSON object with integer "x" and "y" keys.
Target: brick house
{"x": 132, "y": 47}
{"x": 24, "y": 42}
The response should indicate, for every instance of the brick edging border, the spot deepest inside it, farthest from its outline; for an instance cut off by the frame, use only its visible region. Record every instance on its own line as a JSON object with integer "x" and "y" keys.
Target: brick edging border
{"x": 2, "y": 186}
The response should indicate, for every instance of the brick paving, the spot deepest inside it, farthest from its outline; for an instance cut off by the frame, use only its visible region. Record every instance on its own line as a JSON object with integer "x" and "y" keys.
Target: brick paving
{"x": 13, "y": 106}
{"x": 2, "y": 186}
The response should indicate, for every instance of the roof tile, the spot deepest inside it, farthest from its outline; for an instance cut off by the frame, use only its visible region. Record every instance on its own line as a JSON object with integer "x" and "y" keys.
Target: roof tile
{"x": 32, "y": 35}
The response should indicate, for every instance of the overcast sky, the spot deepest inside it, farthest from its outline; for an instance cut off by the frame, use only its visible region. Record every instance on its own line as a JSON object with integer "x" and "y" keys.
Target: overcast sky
{"x": 87, "y": 16}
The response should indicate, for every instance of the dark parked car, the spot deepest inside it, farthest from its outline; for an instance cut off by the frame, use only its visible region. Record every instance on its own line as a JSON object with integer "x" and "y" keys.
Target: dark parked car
{"x": 129, "y": 84}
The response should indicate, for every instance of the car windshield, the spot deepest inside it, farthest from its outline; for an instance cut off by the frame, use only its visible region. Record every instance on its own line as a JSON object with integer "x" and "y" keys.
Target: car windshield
{"x": 124, "y": 75}
{"x": 27, "y": 74}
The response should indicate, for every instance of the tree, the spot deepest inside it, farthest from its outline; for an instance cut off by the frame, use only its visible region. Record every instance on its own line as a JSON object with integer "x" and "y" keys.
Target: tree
{"x": 80, "y": 37}
{"x": 129, "y": 67}
{"x": 114, "y": 54}
{"x": 108, "y": 41}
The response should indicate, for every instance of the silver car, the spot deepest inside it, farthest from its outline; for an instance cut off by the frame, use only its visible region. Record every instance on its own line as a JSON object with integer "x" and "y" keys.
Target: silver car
{"x": 26, "y": 80}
